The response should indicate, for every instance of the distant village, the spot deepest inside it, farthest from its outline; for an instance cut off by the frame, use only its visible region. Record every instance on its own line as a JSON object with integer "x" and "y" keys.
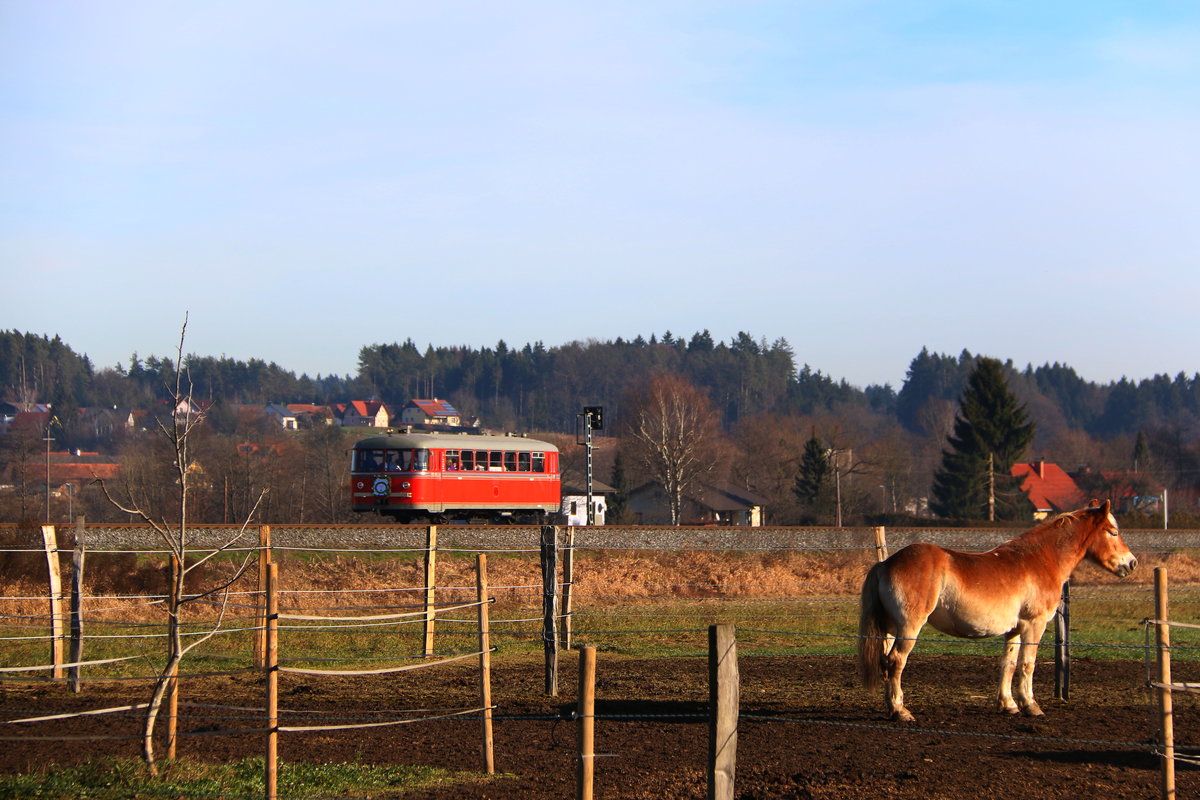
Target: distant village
{"x": 102, "y": 423}
{"x": 1049, "y": 488}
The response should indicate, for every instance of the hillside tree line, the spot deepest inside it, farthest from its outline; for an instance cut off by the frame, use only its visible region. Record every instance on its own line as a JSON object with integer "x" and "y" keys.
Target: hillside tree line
{"x": 767, "y": 406}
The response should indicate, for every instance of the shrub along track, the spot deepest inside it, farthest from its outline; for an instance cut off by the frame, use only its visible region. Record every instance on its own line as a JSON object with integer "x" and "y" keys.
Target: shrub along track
{"x": 807, "y": 729}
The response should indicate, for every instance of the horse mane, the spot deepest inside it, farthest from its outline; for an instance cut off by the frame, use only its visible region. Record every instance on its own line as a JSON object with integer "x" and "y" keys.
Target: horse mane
{"x": 1056, "y": 525}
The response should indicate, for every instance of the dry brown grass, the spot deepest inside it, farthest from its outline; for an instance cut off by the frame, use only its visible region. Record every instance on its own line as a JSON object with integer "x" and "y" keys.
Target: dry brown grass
{"x": 119, "y": 590}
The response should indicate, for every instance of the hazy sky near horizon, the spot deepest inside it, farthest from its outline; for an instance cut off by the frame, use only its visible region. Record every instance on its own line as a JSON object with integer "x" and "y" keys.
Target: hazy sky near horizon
{"x": 863, "y": 179}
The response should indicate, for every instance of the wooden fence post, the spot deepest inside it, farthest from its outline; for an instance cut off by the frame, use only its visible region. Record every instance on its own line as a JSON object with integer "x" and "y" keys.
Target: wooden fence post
{"x": 881, "y": 551}
{"x": 430, "y": 591}
{"x": 1166, "y": 708}
{"x": 724, "y": 696}
{"x": 1062, "y": 645}
{"x": 265, "y": 559}
{"x": 54, "y": 573}
{"x": 549, "y": 559}
{"x": 271, "y": 769}
{"x": 485, "y": 660}
{"x": 568, "y": 582}
{"x": 74, "y": 678}
{"x": 586, "y": 714}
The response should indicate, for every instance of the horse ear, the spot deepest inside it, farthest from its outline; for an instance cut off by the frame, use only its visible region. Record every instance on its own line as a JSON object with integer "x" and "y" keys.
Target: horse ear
{"x": 1093, "y": 503}
{"x": 1107, "y": 507}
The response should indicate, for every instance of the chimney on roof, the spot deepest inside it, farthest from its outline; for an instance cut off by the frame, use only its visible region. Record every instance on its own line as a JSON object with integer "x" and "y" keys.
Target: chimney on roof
{"x": 1041, "y": 468}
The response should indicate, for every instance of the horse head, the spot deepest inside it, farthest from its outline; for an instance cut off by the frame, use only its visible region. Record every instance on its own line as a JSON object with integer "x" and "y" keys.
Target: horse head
{"x": 1105, "y": 545}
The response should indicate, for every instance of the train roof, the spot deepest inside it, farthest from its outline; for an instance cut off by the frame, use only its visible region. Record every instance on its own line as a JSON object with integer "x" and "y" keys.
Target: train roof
{"x": 453, "y": 441}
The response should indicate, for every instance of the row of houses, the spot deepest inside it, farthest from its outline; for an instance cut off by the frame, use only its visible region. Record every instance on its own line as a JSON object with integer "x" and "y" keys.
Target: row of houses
{"x": 433, "y": 413}
{"x": 103, "y": 422}
{"x": 1052, "y": 490}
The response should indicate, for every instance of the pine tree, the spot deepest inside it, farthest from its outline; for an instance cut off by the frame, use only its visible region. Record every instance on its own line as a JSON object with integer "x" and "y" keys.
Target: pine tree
{"x": 1141, "y": 453}
{"x": 814, "y": 482}
{"x": 992, "y": 430}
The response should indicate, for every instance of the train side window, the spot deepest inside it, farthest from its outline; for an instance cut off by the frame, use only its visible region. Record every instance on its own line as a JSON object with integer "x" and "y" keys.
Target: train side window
{"x": 510, "y": 461}
{"x": 468, "y": 460}
{"x": 451, "y": 460}
{"x": 523, "y": 462}
{"x": 539, "y": 462}
{"x": 495, "y": 461}
{"x": 481, "y": 458}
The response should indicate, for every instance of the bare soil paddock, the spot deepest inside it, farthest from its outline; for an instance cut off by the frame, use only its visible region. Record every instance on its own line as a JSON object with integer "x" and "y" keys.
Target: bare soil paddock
{"x": 807, "y": 730}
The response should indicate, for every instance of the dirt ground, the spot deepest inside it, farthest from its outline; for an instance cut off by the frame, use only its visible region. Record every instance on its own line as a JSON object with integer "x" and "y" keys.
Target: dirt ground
{"x": 807, "y": 730}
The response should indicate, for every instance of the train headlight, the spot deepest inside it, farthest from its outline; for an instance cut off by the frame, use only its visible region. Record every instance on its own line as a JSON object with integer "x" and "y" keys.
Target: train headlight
{"x": 404, "y": 485}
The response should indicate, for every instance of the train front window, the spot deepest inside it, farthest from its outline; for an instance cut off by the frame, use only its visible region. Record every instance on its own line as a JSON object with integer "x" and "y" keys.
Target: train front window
{"x": 420, "y": 461}
{"x": 370, "y": 460}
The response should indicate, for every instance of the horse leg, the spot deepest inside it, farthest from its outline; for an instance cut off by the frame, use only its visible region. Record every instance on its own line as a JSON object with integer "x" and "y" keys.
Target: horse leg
{"x": 1027, "y": 660}
{"x": 1008, "y": 665}
{"x": 893, "y": 669}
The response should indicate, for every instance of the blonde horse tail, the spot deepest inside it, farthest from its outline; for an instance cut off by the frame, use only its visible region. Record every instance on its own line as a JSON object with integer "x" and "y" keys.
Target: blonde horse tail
{"x": 871, "y": 630}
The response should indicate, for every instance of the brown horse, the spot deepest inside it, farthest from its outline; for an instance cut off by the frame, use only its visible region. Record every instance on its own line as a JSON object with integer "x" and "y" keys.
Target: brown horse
{"x": 1012, "y": 591}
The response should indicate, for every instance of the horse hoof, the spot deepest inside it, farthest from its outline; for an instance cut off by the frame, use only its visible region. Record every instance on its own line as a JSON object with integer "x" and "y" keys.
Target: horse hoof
{"x": 1009, "y": 710}
{"x": 903, "y": 715}
{"x": 1033, "y": 710}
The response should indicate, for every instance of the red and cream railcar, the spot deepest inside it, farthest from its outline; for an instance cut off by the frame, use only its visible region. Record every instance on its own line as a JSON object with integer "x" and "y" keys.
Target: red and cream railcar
{"x": 418, "y": 477}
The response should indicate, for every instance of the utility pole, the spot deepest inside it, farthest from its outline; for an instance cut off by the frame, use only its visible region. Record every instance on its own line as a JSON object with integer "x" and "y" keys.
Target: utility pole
{"x": 991, "y": 487}
{"x": 48, "y": 438}
{"x": 837, "y": 487}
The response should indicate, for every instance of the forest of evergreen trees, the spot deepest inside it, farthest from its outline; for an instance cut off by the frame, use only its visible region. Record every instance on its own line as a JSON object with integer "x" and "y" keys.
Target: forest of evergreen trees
{"x": 542, "y": 388}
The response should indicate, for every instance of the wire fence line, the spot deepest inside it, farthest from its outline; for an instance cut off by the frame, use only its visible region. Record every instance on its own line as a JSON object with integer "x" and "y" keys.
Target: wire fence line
{"x": 607, "y": 597}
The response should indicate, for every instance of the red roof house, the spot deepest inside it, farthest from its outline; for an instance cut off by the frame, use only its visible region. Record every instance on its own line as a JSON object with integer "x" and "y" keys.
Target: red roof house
{"x": 430, "y": 412}
{"x": 365, "y": 412}
{"x": 1048, "y": 487}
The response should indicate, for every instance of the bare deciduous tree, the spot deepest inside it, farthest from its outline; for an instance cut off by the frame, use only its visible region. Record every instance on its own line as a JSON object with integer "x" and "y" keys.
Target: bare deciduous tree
{"x": 672, "y": 435}
{"x": 171, "y": 525}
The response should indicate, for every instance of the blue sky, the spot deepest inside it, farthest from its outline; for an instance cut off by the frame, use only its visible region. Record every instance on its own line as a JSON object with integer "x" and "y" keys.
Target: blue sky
{"x": 863, "y": 179}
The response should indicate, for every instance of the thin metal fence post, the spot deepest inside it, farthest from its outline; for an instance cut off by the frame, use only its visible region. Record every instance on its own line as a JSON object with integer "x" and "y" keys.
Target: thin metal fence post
{"x": 74, "y": 676}
{"x": 568, "y": 582}
{"x": 549, "y": 559}
{"x": 1062, "y": 645}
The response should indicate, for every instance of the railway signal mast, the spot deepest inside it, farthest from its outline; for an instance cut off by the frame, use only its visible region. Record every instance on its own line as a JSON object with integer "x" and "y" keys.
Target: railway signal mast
{"x": 593, "y": 420}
